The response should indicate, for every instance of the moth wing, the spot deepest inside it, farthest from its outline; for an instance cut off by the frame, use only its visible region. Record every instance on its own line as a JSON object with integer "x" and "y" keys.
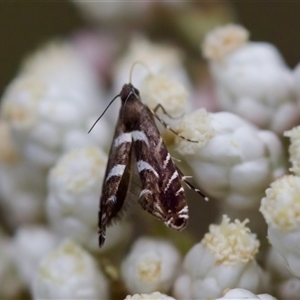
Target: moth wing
{"x": 162, "y": 192}
{"x": 116, "y": 181}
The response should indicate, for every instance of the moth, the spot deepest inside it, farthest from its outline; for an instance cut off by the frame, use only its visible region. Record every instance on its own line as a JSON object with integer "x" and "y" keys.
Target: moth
{"x": 162, "y": 193}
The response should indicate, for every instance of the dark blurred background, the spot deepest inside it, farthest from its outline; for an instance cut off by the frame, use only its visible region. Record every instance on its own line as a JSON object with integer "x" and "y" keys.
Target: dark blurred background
{"x": 24, "y": 25}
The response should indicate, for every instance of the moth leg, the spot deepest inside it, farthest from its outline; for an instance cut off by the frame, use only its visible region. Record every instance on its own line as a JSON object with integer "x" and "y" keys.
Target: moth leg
{"x": 190, "y": 186}
{"x": 169, "y": 128}
{"x": 165, "y": 112}
{"x": 195, "y": 189}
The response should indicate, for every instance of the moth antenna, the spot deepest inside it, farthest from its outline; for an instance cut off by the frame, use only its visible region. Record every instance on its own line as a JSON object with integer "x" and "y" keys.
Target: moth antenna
{"x": 165, "y": 112}
{"x": 138, "y": 62}
{"x": 176, "y": 159}
{"x": 190, "y": 186}
{"x": 103, "y": 113}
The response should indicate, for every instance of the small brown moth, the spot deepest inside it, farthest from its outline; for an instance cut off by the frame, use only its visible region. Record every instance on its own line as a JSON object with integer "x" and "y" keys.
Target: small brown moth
{"x": 162, "y": 193}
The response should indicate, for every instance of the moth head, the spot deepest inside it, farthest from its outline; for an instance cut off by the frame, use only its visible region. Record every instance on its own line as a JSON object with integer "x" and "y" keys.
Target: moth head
{"x": 128, "y": 91}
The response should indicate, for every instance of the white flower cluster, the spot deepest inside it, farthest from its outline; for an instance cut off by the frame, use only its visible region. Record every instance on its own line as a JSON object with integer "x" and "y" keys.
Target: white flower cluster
{"x": 223, "y": 40}
{"x": 294, "y": 149}
{"x": 251, "y": 79}
{"x": 225, "y": 258}
{"x": 162, "y": 90}
{"x": 244, "y": 294}
{"x": 22, "y": 184}
{"x": 50, "y": 105}
{"x": 285, "y": 284}
{"x": 35, "y": 242}
{"x": 281, "y": 210}
{"x": 10, "y": 282}
{"x": 69, "y": 272}
{"x": 159, "y": 59}
{"x": 150, "y": 265}
{"x": 232, "y": 160}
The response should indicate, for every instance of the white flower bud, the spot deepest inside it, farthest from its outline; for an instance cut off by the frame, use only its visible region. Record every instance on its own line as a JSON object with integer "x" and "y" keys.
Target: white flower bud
{"x": 60, "y": 62}
{"x": 35, "y": 242}
{"x": 157, "y": 58}
{"x": 289, "y": 289}
{"x": 297, "y": 80}
{"x": 73, "y": 200}
{"x": 231, "y": 243}
{"x": 252, "y": 80}
{"x": 22, "y": 185}
{"x": 160, "y": 89}
{"x": 284, "y": 283}
{"x": 281, "y": 207}
{"x": 22, "y": 193}
{"x": 10, "y": 281}
{"x": 224, "y": 259}
{"x": 153, "y": 296}
{"x": 51, "y": 105}
{"x": 150, "y": 265}
{"x": 238, "y": 294}
{"x": 281, "y": 210}
{"x": 276, "y": 265}
{"x": 232, "y": 159}
{"x": 294, "y": 149}
{"x": 223, "y": 40}
{"x": 8, "y": 151}
{"x": 202, "y": 131}
{"x": 69, "y": 272}
{"x": 74, "y": 188}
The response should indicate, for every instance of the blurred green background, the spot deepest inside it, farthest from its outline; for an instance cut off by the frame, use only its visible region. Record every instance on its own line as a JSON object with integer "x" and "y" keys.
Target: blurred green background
{"x": 24, "y": 25}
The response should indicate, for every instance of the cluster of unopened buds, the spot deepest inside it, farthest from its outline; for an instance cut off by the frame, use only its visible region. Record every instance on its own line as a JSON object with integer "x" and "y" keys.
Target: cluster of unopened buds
{"x": 52, "y": 171}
